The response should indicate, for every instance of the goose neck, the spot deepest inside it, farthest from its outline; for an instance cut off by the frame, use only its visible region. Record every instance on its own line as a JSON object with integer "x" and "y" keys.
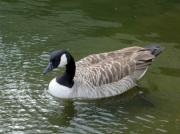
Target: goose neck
{"x": 68, "y": 76}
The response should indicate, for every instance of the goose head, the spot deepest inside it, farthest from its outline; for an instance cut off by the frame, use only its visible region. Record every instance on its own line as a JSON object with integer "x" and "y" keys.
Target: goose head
{"x": 57, "y": 59}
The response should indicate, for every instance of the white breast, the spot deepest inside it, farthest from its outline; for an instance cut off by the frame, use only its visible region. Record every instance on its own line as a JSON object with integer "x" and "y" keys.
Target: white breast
{"x": 57, "y": 90}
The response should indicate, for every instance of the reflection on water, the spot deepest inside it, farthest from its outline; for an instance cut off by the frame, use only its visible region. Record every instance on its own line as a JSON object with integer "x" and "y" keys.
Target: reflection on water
{"x": 175, "y": 72}
{"x": 29, "y": 30}
{"x": 68, "y": 113}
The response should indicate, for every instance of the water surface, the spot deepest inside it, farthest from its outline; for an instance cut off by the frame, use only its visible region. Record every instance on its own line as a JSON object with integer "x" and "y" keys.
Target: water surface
{"x": 29, "y": 30}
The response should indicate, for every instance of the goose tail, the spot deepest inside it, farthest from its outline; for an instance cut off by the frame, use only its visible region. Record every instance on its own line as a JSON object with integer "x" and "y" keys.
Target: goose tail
{"x": 155, "y": 49}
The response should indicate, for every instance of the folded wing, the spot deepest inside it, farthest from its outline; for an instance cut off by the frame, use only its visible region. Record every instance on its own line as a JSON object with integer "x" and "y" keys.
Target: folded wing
{"x": 111, "y": 67}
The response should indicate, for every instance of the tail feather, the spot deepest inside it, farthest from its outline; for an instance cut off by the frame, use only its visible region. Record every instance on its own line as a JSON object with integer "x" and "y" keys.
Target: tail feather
{"x": 145, "y": 58}
{"x": 155, "y": 49}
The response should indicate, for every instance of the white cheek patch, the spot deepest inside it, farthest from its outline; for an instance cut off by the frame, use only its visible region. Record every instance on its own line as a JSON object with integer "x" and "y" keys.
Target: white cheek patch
{"x": 63, "y": 61}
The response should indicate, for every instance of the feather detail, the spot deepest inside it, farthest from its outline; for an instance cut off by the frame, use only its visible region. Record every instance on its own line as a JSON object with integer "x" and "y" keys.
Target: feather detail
{"x": 131, "y": 61}
{"x": 106, "y": 90}
{"x": 95, "y": 58}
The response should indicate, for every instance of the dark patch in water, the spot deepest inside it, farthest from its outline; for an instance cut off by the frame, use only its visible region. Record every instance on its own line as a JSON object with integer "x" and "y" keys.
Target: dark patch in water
{"x": 175, "y": 72}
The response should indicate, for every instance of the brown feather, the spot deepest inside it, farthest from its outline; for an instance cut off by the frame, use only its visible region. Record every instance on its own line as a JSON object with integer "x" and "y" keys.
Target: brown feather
{"x": 105, "y": 68}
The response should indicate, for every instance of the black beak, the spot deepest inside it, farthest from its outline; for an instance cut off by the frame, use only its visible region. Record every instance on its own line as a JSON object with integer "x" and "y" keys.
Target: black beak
{"x": 48, "y": 69}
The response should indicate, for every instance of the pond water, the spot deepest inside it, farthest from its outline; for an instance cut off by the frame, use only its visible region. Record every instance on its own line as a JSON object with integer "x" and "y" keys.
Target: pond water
{"x": 30, "y": 29}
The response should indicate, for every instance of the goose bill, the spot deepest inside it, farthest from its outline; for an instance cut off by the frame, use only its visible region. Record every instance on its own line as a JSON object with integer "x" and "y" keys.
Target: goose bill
{"x": 48, "y": 69}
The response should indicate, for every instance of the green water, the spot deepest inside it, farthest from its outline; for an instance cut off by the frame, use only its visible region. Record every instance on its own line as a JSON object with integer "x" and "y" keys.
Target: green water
{"x": 30, "y": 29}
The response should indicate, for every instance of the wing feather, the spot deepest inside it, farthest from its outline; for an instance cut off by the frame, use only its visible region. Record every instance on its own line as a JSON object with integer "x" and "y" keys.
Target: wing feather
{"x": 106, "y": 68}
{"x": 96, "y": 58}
{"x": 106, "y": 71}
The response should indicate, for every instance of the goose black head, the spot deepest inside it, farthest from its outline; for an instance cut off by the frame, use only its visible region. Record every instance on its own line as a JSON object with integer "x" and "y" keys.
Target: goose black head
{"x": 57, "y": 59}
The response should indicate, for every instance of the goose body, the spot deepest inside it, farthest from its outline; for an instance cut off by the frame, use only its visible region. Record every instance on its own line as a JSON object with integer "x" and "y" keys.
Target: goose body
{"x": 100, "y": 75}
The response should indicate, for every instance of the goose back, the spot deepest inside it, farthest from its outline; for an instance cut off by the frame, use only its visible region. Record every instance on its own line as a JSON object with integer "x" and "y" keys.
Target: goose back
{"x": 96, "y": 58}
{"x": 111, "y": 67}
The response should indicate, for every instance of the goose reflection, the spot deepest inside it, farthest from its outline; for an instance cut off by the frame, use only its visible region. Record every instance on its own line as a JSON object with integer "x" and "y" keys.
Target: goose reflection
{"x": 121, "y": 104}
{"x": 62, "y": 117}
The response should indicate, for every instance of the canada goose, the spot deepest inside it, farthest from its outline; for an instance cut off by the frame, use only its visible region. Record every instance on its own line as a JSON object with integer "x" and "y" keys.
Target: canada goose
{"x": 100, "y": 75}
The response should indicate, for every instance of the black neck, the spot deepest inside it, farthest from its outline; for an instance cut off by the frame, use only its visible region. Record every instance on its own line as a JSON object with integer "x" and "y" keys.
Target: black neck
{"x": 68, "y": 76}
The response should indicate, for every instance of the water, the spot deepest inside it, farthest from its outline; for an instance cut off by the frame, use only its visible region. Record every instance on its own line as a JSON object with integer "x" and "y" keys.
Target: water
{"x": 29, "y": 30}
